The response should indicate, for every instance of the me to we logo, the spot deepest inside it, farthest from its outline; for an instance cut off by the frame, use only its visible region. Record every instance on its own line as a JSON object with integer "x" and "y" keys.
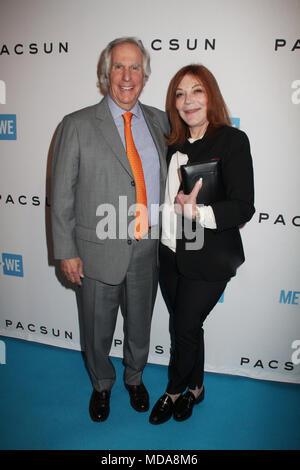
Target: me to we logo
{"x": 12, "y": 264}
{"x": 291, "y": 297}
{"x": 8, "y": 127}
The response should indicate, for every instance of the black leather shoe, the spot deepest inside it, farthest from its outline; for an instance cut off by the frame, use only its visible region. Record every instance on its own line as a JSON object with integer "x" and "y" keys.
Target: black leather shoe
{"x": 162, "y": 410}
{"x": 99, "y": 405}
{"x": 183, "y": 407}
{"x": 139, "y": 397}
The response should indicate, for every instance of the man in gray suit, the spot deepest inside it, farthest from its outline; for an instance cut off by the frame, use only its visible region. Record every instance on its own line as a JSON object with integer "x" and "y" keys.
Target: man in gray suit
{"x": 92, "y": 174}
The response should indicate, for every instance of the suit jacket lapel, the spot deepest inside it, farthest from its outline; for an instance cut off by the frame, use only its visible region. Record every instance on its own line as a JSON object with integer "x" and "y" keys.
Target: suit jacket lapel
{"x": 111, "y": 135}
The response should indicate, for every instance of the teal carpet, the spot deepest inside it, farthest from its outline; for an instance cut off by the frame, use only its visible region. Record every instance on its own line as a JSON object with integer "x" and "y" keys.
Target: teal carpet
{"x": 45, "y": 393}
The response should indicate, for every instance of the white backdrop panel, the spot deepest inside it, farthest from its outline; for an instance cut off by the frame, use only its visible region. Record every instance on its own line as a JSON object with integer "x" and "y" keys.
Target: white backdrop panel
{"x": 48, "y": 59}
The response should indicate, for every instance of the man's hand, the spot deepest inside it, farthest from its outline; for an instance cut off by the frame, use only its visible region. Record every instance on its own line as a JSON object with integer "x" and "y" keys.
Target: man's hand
{"x": 72, "y": 268}
{"x": 185, "y": 204}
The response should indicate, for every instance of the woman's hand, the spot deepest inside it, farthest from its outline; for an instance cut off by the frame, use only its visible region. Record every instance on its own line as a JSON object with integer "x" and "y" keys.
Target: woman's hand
{"x": 185, "y": 204}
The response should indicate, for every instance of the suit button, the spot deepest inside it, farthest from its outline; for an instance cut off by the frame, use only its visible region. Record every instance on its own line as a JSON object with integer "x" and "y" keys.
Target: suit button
{"x": 132, "y": 183}
{"x": 129, "y": 242}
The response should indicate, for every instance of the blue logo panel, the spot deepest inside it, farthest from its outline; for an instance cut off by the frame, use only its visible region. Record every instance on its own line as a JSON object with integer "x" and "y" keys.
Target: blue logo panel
{"x": 12, "y": 264}
{"x": 8, "y": 127}
{"x": 235, "y": 122}
{"x": 290, "y": 297}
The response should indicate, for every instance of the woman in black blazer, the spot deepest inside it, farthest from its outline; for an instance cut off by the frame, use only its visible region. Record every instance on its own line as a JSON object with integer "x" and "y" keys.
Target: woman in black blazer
{"x": 194, "y": 279}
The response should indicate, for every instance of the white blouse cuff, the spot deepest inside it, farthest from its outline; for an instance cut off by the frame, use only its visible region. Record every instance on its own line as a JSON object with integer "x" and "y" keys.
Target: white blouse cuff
{"x": 205, "y": 216}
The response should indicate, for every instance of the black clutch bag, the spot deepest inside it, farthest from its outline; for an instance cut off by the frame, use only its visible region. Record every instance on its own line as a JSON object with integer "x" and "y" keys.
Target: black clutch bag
{"x": 212, "y": 185}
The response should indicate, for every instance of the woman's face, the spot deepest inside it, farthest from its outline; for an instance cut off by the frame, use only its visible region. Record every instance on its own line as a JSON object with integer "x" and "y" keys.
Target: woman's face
{"x": 191, "y": 104}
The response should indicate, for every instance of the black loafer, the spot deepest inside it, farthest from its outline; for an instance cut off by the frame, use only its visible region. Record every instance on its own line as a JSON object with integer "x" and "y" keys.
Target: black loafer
{"x": 139, "y": 398}
{"x": 162, "y": 410}
{"x": 183, "y": 407}
{"x": 99, "y": 405}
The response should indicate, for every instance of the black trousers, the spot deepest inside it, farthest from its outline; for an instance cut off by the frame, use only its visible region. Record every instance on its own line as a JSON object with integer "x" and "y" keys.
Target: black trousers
{"x": 189, "y": 302}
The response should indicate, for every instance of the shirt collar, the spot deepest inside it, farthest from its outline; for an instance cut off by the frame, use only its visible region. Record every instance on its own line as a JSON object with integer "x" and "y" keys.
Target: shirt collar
{"x": 117, "y": 111}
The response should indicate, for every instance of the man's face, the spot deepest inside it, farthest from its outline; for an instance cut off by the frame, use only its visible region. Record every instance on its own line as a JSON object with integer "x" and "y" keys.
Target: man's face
{"x": 126, "y": 76}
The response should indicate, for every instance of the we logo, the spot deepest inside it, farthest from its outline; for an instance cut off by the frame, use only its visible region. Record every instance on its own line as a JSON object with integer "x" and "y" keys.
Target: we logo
{"x": 8, "y": 127}
{"x": 12, "y": 264}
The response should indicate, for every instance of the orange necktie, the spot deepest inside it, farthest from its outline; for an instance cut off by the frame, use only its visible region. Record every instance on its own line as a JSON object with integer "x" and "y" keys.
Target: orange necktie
{"x": 141, "y": 216}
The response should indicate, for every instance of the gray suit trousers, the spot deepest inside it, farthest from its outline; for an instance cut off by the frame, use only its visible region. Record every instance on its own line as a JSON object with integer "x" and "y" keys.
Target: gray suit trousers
{"x": 136, "y": 297}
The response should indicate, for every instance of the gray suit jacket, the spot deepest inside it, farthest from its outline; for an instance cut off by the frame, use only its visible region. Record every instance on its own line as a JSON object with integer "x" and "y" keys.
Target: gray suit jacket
{"x": 89, "y": 168}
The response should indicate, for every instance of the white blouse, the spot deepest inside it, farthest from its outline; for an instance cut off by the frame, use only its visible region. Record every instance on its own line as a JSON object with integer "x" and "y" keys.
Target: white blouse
{"x": 206, "y": 216}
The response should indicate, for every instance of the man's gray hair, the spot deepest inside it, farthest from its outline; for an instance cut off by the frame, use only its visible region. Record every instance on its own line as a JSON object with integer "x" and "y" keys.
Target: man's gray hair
{"x": 105, "y": 60}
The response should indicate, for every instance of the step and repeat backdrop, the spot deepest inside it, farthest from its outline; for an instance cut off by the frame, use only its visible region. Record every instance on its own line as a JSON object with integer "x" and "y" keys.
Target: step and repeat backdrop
{"x": 48, "y": 62}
